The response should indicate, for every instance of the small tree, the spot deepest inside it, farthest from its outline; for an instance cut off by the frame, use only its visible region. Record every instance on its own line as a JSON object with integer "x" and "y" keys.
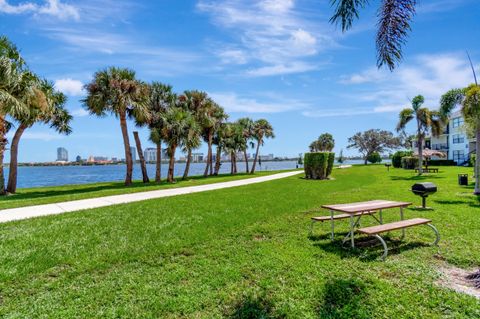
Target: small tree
{"x": 373, "y": 140}
{"x": 374, "y": 158}
{"x": 340, "y": 158}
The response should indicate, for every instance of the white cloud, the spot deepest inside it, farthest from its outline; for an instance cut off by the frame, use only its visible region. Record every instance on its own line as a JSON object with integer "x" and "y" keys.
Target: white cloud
{"x": 233, "y": 56}
{"x": 429, "y": 75}
{"x": 80, "y": 113}
{"x": 69, "y": 86}
{"x": 233, "y": 103}
{"x": 54, "y": 8}
{"x": 273, "y": 32}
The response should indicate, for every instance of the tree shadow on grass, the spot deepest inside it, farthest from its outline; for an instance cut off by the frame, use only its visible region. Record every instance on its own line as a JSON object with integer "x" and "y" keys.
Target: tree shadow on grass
{"x": 252, "y": 307}
{"x": 344, "y": 298}
{"x": 366, "y": 249}
{"x": 415, "y": 178}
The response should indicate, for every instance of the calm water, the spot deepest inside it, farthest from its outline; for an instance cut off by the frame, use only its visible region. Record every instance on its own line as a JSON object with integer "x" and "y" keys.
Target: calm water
{"x": 65, "y": 175}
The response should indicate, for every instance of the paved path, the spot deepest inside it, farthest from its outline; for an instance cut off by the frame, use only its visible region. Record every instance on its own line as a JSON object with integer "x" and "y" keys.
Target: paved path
{"x": 11, "y": 214}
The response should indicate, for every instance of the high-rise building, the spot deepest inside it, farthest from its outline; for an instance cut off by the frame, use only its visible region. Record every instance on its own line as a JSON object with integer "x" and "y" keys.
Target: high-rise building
{"x": 62, "y": 154}
{"x": 197, "y": 157}
{"x": 150, "y": 154}
{"x": 133, "y": 150}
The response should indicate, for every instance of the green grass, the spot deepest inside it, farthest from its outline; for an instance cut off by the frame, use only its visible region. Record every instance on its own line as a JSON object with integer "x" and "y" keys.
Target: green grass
{"x": 242, "y": 253}
{"x": 55, "y": 194}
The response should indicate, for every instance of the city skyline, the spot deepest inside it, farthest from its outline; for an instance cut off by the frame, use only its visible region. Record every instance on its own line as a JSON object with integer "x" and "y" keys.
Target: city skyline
{"x": 293, "y": 67}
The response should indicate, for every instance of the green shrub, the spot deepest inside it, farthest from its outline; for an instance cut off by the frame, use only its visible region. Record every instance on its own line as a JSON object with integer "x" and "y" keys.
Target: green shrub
{"x": 397, "y": 158}
{"x": 318, "y": 165}
{"x": 374, "y": 158}
{"x": 472, "y": 160}
{"x": 441, "y": 163}
{"x": 409, "y": 162}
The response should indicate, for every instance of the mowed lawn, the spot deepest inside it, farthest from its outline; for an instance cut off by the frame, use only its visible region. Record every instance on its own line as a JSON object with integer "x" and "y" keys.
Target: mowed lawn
{"x": 55, "y": 194}
{"x": 242, "y": 253}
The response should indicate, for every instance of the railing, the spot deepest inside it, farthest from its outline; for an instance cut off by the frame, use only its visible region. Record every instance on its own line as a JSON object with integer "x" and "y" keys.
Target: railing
{"x": 440, "y": 147}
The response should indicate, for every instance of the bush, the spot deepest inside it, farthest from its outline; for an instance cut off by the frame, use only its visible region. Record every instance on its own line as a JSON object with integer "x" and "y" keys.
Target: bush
{"x": 374, "y": 158}
{"x": 472, "y": 160}
{"x": 397, "y": 158}
{"x": 440, "y": 163}
{"x": 318, "y": 165}
{"x": 409, "y": 162}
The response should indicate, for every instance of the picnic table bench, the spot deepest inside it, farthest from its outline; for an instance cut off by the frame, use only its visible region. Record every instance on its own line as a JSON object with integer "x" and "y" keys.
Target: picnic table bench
{"x": 359, "y": 209}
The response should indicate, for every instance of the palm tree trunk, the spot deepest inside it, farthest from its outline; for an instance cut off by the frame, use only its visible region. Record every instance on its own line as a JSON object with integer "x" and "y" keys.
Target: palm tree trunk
{"x": 232, "y": 171}
{"x": 420, "y": 155}
{"x": 3, "y": 144}
{"x": 234, "y": 163}
{"x": 365, "y": 160}
{"x": 128, "y": 154}
{"x": 187, "y": 165}
{"x": 209, "y": 153}
{"x": 218, "y": 160}
{"x": 171, "y": 165}
{"x": 158, "y": 168}
{"x": 246, "y": 159}
{"x": 477, "y": 161}
{"x": 143, "y": 165}
{"x": 256, "y": 156}
{"x": 12, "y": 174}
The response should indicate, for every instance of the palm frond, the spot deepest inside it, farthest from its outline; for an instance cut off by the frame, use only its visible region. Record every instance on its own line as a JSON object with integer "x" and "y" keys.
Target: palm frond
{"x": 406, "y": 115}
{"x": 393, "y": 27}
{"x": 346, "y": 11}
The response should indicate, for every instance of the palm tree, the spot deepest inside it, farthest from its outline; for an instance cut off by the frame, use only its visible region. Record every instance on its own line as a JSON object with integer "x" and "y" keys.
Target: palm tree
{"x": 177, "y": 122}
{"x": 247, "y": 125}
{"x": 51, "y": 111}
{"x": 261, "y": 129}
{"x": 17, "y": 91}
{"x": 469, "y": 99}
{"x": 191, "y": 141}
{"x": 143, "y": 164}
{"x": 219, "y": 139}
{"x": 427, "y": 121}
{"x": 161, "y": 99}
{"x": 324, "y": 143}
{"x": 393, "y": 26}
{"x": 117, "y": 91}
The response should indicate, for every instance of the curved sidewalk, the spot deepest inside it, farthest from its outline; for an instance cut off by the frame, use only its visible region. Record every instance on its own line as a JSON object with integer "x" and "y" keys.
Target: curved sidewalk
{"x": 12, "y": 214}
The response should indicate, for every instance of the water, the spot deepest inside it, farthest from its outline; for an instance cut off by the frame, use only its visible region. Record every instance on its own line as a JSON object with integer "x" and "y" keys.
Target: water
{"x": 38, "y": 176}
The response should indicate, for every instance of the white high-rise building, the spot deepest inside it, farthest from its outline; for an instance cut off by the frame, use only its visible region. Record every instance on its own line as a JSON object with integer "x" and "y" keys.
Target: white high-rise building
{"x": 150, "y": 154}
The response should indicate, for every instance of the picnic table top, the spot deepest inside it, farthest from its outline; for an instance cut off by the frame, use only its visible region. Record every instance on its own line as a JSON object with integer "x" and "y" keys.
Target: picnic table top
{"x": 352, "y": 208}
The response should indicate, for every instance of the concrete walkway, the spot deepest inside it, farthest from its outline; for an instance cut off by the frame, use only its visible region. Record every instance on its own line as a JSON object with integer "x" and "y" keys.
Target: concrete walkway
{"x": 11, "y": 214}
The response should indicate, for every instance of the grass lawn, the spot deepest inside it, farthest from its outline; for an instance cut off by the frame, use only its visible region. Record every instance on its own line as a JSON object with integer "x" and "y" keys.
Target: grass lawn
{"x": 55, "y": 194}
{"x": 242, "y": 253}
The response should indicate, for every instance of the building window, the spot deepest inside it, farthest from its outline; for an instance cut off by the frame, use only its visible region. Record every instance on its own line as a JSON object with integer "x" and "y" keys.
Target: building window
{"x": 458, "y": 121}
{"x": 458, "y": 139}
{"x": 459, "y": 156}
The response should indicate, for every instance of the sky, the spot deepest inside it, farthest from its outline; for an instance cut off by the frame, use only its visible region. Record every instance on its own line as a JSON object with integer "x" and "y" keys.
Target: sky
{"x": 275, "y": 59}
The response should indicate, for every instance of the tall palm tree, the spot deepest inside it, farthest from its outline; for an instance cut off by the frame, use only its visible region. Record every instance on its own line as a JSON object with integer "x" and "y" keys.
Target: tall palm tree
{"x": 235, "y": 142}
{"x": 51, "y": 111}
{"x": 161, "y": 99}
{"x": 141, "y": 158}
{"x": 191, "y": 140}
{"x": 247, "y": 125}
{"x": 469, "y": 100}
{"x": 394, "y": 18}
{"x": 117, "y": 91}
{"x": 177, "y": 122}
{"x": 261, "y": 129}
{"x": 427, "y": 121}
{"x": 219, "y": 139}
{"x": 17, "y": 90}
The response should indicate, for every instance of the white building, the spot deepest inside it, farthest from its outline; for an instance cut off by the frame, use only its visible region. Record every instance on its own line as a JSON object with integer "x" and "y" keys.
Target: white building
{"x": 454, "y": 141}
{"x": 150, "y": 154}
{"x": 62, "y": 154}
{"x": 197, "y": 157}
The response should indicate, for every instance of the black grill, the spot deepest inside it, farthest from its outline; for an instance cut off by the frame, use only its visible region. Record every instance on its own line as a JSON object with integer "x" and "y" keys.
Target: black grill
{"x": 423, "y": 190}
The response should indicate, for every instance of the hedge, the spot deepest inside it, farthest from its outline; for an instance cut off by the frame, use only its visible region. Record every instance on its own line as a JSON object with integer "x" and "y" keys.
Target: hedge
{"x": 397, "y": 158}
{"x": 409, "y": 162}
{"x": 318, "y": 165}
{"x": 374, "y": 158}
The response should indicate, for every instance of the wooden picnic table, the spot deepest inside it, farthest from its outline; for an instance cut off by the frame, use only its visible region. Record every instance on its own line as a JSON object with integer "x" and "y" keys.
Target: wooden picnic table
{"x": 358, "y": 207}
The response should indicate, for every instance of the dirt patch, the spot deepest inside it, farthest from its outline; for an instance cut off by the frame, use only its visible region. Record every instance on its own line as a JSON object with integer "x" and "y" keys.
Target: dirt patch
{"x": 456, "y": 279}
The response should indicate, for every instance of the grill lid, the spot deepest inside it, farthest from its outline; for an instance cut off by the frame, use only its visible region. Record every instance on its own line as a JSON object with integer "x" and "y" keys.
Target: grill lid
{"x": 424, "y": 188}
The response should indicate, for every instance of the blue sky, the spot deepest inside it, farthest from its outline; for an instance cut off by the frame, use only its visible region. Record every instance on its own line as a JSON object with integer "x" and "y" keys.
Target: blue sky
{"x": 280, "y": 60}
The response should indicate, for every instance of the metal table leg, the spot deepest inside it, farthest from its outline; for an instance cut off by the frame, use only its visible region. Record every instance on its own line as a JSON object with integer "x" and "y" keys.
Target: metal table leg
{"x": 381, "y": 216}
{"x": 332, "y": 224}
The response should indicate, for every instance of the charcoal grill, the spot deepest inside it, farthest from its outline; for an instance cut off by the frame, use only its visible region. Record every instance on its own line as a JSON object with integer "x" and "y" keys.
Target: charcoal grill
{"x": 424, "y": 190}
